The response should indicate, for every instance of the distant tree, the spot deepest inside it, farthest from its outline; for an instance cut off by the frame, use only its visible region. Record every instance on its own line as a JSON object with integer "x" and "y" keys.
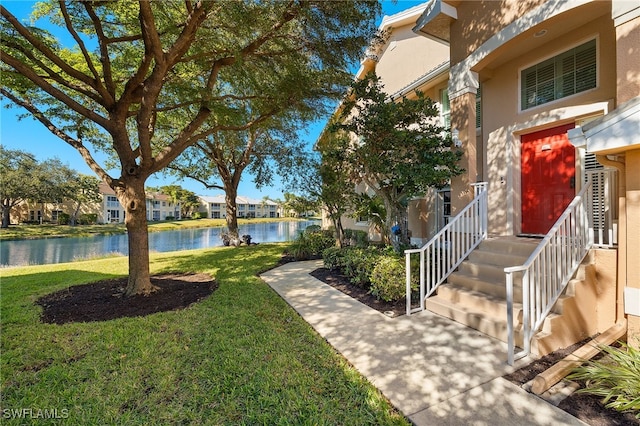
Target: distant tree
{"x": 85, "y": 189}
{"x": 330, "y": 185}
{"x": 298, "y": 204}
{"x": 398, "y": 149}
{"x": 188, "y": 200}
{"x": 220, "y": 161}
{"x": 19, "y": 180}
{"x": 164, "y": 75}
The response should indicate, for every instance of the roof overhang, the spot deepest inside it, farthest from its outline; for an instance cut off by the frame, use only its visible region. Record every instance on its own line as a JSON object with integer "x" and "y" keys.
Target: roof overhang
{"x": 436, "y": 21}
{"x": 615, "y": 132}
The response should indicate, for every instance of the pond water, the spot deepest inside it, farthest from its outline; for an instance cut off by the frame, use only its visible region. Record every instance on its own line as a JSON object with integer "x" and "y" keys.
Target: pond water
{"x": 60, "y": 250}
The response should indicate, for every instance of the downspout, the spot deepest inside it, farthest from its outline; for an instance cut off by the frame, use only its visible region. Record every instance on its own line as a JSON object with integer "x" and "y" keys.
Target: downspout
{"x": 622, "y": 230}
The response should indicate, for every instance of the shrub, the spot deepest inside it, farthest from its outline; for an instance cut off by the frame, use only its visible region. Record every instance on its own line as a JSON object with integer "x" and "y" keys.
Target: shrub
{"x": 616, "y": 378}
{"x": 388, "y": 279}
{"x": 199, "y": 215}
{"x": 361, "y": 238}
{"x": 311, "y": 244}
{"x": 88, "y": 219}
{"x": 333, "y": 257}
{"x": 170, "y": 218}
{"x": 63, "y": 219}
{"x": 312, "y": 228}
{"x": 359, "y": 263}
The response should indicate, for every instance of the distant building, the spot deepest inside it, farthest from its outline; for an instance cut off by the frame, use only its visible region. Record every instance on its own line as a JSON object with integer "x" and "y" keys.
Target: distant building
{"x": 216, "y": 207}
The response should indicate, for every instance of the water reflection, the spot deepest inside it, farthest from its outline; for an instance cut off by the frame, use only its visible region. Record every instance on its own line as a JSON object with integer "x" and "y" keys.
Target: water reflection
{"x": 59, "y": 250}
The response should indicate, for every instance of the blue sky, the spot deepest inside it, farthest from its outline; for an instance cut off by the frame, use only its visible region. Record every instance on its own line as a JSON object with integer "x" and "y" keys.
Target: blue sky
{"x": 31, "y": 136}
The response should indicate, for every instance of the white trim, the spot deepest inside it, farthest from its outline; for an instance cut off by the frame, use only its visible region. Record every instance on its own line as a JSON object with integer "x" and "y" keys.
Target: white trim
{"x": 559, "y": 52}
{"x": 623, "y": 11}
{"x": 619, "y": 130}
{"x": 529, "y": 20}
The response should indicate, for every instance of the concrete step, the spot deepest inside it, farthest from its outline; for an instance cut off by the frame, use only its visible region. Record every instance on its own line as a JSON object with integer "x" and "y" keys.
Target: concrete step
{"x": 485, "y": 257}
{"x": 483, "y": 322}
{"x": 474, "y": 300}
{"x": 514, "y": 246}
{"x": 493, "y": 288}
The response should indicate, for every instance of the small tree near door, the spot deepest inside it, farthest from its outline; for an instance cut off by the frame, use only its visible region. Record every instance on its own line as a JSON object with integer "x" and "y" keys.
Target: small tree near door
{"x": 398, "y": 149}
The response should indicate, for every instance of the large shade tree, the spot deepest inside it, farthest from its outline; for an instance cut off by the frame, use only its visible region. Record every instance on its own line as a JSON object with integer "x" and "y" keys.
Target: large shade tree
{"x": 397, "y": 149}
{"x": 145, "y": 80}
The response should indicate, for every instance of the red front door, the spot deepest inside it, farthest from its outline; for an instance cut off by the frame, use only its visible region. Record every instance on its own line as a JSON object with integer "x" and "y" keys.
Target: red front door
{"x": 548, "y": 178}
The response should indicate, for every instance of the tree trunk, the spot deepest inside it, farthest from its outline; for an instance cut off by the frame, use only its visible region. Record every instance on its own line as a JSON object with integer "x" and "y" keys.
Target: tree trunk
{"x": 232, "y": 211}
{"x": 134, "y": 201}
{"x": 5, "y": 216}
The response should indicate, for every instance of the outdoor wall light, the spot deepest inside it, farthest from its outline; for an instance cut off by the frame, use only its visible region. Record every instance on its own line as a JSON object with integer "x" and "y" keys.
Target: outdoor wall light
{"x": 456, "y": 140}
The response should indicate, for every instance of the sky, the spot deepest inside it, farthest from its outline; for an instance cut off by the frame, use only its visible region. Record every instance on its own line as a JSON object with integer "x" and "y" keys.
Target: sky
{"x": 31, "y": 136}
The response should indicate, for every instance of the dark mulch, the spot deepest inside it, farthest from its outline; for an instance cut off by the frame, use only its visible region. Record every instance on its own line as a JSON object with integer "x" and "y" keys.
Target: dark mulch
{"x": 105, "y": 300}
{"x": 338, "y": 281}
{"x": 585, "y": 407}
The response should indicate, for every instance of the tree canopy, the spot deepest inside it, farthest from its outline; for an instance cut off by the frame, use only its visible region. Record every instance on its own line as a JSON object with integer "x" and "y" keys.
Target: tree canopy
{"x": 397, "y": 149}
{"x": 145, "y": 80}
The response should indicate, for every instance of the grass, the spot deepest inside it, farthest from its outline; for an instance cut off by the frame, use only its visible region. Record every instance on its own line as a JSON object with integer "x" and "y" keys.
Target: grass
{"x": 20, "y": 232}
{"x": 241, "y": 356}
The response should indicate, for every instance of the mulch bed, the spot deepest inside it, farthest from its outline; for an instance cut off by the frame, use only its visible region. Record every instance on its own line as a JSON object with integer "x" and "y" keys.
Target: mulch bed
{"x": 338, "y": 281}
{"x": 105, "y": 300}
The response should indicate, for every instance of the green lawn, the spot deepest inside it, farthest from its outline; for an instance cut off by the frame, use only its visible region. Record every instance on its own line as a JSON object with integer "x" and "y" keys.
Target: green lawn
{"x": 19, "y": 232}
{"x": 242, "y": 356}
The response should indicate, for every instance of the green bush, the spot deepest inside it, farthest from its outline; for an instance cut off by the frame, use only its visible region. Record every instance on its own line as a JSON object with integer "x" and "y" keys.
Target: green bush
{"x": 312, "y": 228}
{"x": 311, "y": 244}
{"x": 333, "y": 257}
{"x": 63, "y": 219}
{"x": 358, "y": 263}
{"x": 88, "y": 219}
{"x": 199, "y": 215}
{"x": 388, "y": 279}
{"x": 615, "y": 378}
{"x": 361, "y": 237}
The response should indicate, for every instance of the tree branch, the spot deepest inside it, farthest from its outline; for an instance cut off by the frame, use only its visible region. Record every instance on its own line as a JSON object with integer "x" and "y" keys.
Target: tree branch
{"x": 75, "y": 143}
{"x": 44, "y": 49}
{"x": 99, "y": 87}
{"x": 104, "y": 52}
{"x": 53, "y": 91}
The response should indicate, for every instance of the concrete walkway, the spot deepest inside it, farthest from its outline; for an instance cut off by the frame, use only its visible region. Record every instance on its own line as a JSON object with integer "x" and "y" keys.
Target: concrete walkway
{"x": 434, "y": 370}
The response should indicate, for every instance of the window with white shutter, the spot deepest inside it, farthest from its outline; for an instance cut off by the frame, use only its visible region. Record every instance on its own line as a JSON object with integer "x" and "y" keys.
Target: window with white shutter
{"x": 571, "y": 72}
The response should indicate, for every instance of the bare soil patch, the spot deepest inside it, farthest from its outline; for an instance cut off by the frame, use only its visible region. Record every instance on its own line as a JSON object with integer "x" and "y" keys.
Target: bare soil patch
{"x": 105, "y": 300}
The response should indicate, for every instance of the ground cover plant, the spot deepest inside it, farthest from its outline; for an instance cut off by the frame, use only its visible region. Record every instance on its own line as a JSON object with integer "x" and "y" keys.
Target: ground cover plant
{"x": 238, "y": 356}
{"x": 615, "y": 378}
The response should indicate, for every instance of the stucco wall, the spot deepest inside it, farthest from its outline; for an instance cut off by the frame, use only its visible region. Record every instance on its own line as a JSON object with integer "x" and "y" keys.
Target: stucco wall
{"x": 503, "y": 123}
{"x": 628, "y": 49}
{"x": 633, "y": 234}
{"x": 406, "y": 57}
{"x": 478, "y": 21}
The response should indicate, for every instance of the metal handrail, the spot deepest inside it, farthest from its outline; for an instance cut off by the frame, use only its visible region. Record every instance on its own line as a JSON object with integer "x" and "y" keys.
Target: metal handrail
{"x": 548, "y": 270}
{"x": 443, "y": 253}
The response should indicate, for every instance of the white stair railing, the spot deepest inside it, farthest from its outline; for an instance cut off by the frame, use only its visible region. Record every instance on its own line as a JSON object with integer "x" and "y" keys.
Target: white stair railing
{"x": 548, "y": 270}
{"x": 449, "y": 247}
